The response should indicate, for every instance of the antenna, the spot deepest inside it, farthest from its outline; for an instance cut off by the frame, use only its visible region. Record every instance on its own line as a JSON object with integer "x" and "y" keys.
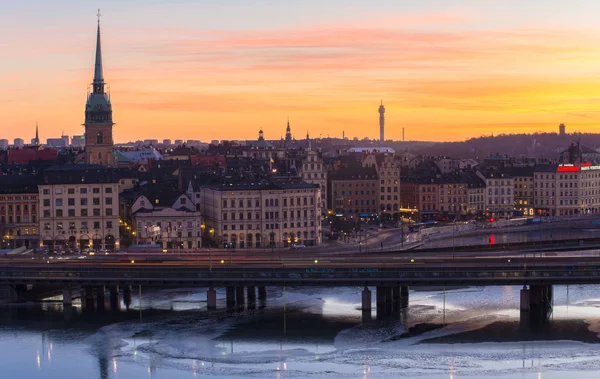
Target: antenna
{"x": 98, "y": 15}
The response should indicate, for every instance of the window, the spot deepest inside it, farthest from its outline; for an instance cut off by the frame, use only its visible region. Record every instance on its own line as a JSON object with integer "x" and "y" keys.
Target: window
{"x": 47, "y": 226}
{"x": 108, "y": 201}
{"x": 46, "y": 192}
{"x": 109, "y": 211}
{"x": 71, "y": 225}
{"x": 96, "y": 190}
{"x": 96, "y": 224}
{"x": 46, "y": 202}
{"x": 84, "y": 213}
{"x": 99, "y": 140}
{"x": 96, "y": 201}
{"x": 71, "y": 212}
{"x": 224, "y": 203}
{"x": 71, "y": 201}
{"x": 59, "y": 225}
{"x": 71, "y": 191}
{"x": 83, "y": 191}
{"x": 84, "y": 225}
{"x": 182, "y": 200}
{"x": 225, "y": 216}
{"x": 46, "y": 214}
{"x": 108, "y": 190}
{"x": 109, "y": 224}
{"x": 96, "y": 212}
{"x": 59, "y": 213}
{"x": 58, "y": 191}
{"x": 59, "y": 202}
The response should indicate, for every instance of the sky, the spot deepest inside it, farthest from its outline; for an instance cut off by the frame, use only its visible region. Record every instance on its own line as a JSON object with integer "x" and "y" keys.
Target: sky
{"x": 223, "y": 69}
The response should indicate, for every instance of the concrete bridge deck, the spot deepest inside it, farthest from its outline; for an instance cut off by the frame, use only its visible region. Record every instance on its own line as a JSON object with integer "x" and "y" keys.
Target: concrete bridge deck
{"x": 358, "y": 271}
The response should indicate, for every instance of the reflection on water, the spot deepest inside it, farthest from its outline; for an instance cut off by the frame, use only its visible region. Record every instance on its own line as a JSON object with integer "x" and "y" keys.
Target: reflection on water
{"x": 318, "y": 333}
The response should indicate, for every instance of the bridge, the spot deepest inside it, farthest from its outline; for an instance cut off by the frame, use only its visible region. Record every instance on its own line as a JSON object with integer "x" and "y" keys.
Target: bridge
{"x": 391, "y": 275}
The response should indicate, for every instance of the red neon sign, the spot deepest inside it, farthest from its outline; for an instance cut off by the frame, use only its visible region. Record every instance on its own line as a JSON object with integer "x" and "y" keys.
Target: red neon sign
{"x": 586, "y": 164}
{"x": 567, "y": 169}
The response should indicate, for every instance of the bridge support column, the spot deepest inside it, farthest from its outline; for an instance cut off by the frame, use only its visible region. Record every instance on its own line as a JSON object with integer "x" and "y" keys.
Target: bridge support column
{"x": 88, "y": 296}
{"x": 524, "y": 299}
{"x": 262, "y": 292}
{"x": 404, "y": 296}
{"x": 127, "y": 296}
{"x": 100, "y": 296}
{"x": 251, "y": 292}
{"x": 384, "y": 302}
{"x": 380, "y": 296}
{"x": 396, "y": 294}
{"x": 366, "y": 300}
{"x": 540, "y": 301}
{"x": 211, "y": 299}
{"x": 262, "y": 296}
{"x": 67, "y": 296}
{"x": 115, "y": 301}
{"x": 239, "y": 297}
{"x": 230, "y": 296}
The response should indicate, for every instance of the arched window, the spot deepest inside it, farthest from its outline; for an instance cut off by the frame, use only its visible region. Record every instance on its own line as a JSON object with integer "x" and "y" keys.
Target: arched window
{"x": 99, "y": 138}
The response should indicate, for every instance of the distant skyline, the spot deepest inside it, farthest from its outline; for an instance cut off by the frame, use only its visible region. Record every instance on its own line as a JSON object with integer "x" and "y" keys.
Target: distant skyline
{"x": 204, "y": 70}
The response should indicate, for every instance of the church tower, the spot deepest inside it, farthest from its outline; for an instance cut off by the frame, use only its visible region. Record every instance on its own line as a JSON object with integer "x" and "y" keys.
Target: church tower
{"x": 98, "y": 117}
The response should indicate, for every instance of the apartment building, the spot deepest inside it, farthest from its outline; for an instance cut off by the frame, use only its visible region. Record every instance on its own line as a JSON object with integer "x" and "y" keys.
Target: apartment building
{"x": 313, "y": 171}
{"x": 271, "y": 213}
{"x": 78, "y": 207}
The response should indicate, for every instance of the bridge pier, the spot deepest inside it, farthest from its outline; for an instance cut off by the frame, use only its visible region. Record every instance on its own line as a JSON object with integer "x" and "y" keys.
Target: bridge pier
{"x": 115, "y": 301}
{"x": 88, "y": 296}
{"x": 366, "y": 305}
{"x": 538, "y": 301}
{"x": 211, "y": 299}
{"x": 525, "y": 299}
{"x": 230, "y": 296}
{"x": 239, "y": 297}
{"x": 262, "y": 296}
{"x": 404, "y": 296}
{"x": 251, "y": 294}
{"x": 100, "y": 297}
{"x": 127, "y": 296}
{"x": 67, "y": 296}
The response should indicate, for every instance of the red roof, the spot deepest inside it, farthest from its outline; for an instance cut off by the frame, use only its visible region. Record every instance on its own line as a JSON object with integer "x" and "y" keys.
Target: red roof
{"x": 26, "y": 155}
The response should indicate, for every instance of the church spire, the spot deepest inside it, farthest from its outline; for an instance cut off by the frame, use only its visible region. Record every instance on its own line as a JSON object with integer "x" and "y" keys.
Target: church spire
{"x": 98, "y": 76}
{"x": 37, "y": 135}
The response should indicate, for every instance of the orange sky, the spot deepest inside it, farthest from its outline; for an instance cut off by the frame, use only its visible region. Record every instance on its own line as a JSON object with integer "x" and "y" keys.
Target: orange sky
{"x": 443, "y": 75}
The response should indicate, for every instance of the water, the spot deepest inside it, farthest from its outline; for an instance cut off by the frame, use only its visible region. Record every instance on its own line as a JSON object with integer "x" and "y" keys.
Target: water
{"x": 462, "y": 333}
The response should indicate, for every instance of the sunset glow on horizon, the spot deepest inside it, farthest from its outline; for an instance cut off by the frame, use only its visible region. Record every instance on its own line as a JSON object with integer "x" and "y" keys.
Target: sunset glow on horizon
{"x": 205, "y": 70}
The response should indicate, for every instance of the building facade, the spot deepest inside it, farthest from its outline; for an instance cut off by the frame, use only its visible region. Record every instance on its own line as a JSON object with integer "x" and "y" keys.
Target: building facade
{"x": 18, "y": 215}
{"x": 269, "y": 214}
{"x": 499, "y": 194}
{"x": 313, "y": 171}
{"x": 175, "y": 226}
{"x": 354, "y": 192}
{"x": 78, "y": 208}
{"x": 544, "y": 190}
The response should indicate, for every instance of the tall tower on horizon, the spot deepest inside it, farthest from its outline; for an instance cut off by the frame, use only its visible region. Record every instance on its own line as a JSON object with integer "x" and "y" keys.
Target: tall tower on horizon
{"x": 98, "y": 117}
{"x": 381, "y": 123}
{"x": 36, "y": 141}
